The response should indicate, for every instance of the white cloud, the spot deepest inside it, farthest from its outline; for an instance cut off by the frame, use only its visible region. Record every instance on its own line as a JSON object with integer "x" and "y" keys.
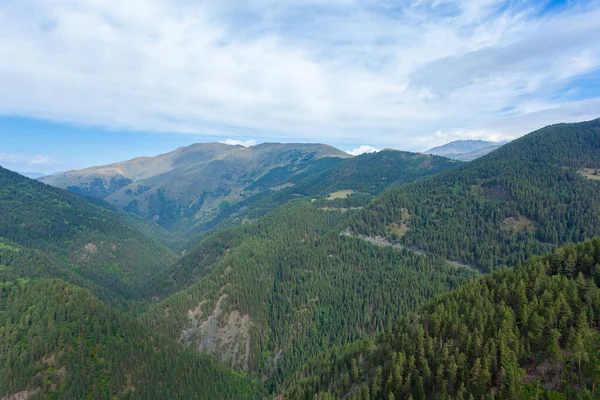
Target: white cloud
{"x": 329, "y": 71}
{"x": 26, "y": 163}
{"x": 362, "y": 150}
{"x": 234, "y": 142}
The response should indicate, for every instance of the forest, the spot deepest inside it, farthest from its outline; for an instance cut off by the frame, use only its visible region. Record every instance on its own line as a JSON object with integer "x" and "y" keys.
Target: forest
{"x": 60, "y": 342}
{"x": 390, "y": 275}
{"x": 303, "y": 286}
{"x": 523, "y": 199}
{"x": 529, "y": 332}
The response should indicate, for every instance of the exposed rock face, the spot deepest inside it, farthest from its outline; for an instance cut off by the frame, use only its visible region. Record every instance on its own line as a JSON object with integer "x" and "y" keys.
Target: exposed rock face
{"x": 223, "y": 334}
{"x": 24, "y": 395}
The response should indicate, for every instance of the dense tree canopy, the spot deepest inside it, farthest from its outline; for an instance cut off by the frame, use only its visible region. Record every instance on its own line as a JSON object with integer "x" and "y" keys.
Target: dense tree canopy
{"x": 302, "y": 285}
{"x": 58, "y": 341}
{"x": 523, "y": 199}
{"x": 525, "y": 333}
{"x": 78, "y": 236}
{"x": 341, "y": 279}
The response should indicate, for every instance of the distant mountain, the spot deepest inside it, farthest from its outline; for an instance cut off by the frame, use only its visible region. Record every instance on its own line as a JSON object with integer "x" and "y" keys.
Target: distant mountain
{"x": 465, "y": 150}
{"x": 189, "y": 185}
{"x": 32, "y": 175}
{"x": 365, "y": 176}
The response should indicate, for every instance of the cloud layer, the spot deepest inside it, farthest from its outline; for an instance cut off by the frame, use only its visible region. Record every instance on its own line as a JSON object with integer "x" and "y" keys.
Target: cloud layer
{"x": 404, "y": 74}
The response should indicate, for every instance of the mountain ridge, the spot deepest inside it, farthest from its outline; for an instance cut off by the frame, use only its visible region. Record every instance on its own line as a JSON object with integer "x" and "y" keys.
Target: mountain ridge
{"x": 519, "y": 200}
{"x": 186, "y": 186}
{"x": 301, "y": 271}
{"x": 465, "y": 150}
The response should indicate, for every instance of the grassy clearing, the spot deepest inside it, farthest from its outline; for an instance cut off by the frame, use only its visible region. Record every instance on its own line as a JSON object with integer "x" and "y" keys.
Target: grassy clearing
{"x": 340, "y": 194}
{"x": 519, "y": 224}
{"x": 591, "y": 173}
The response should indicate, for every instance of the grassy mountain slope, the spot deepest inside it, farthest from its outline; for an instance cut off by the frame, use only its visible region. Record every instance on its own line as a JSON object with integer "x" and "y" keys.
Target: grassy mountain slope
{"x": 524, "y": 333}
{"x": 76, "y": 236}
{"x": 57, "y": 341}
{"x": 190, "y": 184}
{"x": 522, "y": 199}
{"x": 274, "y": 293}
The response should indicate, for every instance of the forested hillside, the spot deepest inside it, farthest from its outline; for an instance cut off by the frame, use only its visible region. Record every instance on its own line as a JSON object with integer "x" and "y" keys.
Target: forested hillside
{"x": 362, "y": 177}
{"x": 262, "y": 282}
{"x": 283, "y": 289}
{"x": 75, "y": 237}
{"x": 525, "y": 198}
{"x": 524, "y": 333}
{"x": 17, "y": 262}
{"x": 337, "y": 278}
{"x": 59, "y": 342}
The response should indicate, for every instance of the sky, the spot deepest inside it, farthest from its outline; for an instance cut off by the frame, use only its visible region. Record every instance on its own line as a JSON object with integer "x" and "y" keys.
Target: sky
{"x": 90, "y": 82}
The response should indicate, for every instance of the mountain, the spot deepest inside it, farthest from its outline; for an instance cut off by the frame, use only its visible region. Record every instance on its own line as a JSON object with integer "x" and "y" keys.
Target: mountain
{"x": 59, "y": 342}
{"x": 332, "y": 278}
{"x": 33, "y": 175}
{"x": 54, "y": 230}
{"x": 295, "y": 269}
{"x": 25, "y": 255}
{"x": 522, "y": 199}
{"x": 267, "y": 296}
{"x": 465, "y": 150}
{"x": 354, "y": 181}
{"x": 189, "y": 185}
{"x": 373, "y": 173}
{"x": 524, "y": 333}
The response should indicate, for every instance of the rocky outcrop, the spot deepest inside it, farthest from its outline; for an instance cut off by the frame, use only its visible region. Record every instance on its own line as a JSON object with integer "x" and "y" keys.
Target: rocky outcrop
{"x": 224, "y": 334}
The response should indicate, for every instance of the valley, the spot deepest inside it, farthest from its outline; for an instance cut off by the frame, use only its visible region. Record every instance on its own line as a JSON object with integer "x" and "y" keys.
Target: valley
{"x": 299, "y": 200}
{"x": 297, "y": 271}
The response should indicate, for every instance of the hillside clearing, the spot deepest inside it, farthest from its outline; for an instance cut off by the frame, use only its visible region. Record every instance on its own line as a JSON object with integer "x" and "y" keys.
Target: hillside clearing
{"x": 340, "y": 194}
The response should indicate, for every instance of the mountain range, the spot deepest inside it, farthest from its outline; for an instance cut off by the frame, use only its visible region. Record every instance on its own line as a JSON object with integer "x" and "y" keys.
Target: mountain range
{"x": 33, "y": 175}
{"x": 465, "y": 150}
{"x": 295, "y": 271}
{"x": 188, "y": 185}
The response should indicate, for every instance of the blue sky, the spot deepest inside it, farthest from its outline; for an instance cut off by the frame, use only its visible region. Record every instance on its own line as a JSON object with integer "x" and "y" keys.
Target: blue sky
{"x": 89, "y": 82}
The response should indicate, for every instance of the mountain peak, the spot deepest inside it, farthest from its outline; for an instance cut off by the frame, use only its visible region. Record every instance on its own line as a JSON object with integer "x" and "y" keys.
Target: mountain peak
{"x": 195, "y": 179}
